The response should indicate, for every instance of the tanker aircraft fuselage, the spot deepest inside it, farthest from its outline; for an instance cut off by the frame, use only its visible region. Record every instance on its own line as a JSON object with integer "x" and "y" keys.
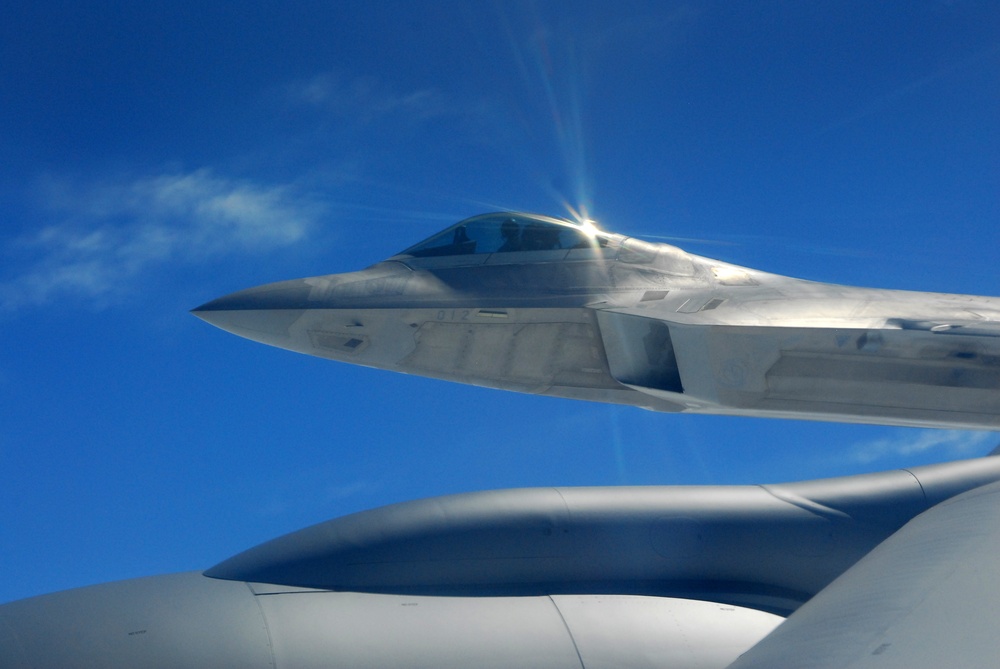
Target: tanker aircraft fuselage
{"x": 897, "y": 568}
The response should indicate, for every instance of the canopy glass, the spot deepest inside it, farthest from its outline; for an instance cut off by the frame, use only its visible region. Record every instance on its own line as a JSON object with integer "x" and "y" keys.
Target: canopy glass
{"x": 507, "y": 233}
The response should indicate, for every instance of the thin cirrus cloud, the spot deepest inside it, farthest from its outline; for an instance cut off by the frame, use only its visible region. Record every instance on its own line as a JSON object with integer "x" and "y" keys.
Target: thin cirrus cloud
{"x": 108, "y": 233}
{"x": 368, "y": 98}
{"x": 947, "y": 443}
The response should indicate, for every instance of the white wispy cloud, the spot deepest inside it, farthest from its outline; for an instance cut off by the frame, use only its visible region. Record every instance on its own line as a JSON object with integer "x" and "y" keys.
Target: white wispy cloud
{"x": 369, "y": 98}
{"x": 949, "y": 443}
{"x": 106, "y": 233}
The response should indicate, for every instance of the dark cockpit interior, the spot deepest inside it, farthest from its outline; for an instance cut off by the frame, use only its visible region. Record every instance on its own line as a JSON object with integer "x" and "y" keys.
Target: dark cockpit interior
{"x": 508, "y": 233}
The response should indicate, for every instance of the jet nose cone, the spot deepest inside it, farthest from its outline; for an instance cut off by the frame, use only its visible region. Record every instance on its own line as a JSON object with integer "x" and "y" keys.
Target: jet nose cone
{"x": 260, "y": 313}
{"x": 282, "y": 295}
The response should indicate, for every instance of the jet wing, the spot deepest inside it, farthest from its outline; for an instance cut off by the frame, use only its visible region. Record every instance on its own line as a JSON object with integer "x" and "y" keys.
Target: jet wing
{"x": 926, "y": 597}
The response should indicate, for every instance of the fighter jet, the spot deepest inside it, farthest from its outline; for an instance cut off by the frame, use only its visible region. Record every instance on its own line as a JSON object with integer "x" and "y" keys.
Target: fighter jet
{"x": 543, "y": 305}
{"x": 896, "y": 569}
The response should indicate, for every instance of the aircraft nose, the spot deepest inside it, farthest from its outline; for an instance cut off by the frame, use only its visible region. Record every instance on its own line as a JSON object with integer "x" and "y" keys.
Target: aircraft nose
{"x": 281, "y": 295}
{"x": 259, "y": 313}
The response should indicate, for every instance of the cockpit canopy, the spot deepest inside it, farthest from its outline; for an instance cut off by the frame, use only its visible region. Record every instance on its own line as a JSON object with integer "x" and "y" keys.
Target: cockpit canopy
{"x": 503, "y": 233}
{"x": 515, "y": 238}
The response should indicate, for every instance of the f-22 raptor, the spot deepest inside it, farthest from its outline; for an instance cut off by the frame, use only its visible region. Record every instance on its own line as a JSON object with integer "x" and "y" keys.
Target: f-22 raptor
{"x": 543, "y": 305}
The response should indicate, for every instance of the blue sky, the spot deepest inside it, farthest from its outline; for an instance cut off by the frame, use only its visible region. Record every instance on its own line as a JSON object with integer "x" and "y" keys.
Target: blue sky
{"x": 158, "y": 155}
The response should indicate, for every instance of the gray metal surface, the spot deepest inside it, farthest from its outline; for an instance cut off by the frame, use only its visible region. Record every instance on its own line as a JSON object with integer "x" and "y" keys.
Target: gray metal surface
{"x": 325, "y": 629}
{"x": 179, "y": 620}
{"x": 769, "y": 547}
{"x": 927, "y": 597}
{"x": 575, "y": 312}
{"x": 189, "y": 620}
{"x": 685, "y": 576}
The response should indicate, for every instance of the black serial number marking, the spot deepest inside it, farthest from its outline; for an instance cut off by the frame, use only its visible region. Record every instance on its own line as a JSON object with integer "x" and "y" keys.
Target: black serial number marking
{"x": 454, "y": 314}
